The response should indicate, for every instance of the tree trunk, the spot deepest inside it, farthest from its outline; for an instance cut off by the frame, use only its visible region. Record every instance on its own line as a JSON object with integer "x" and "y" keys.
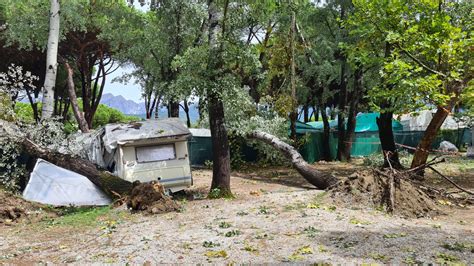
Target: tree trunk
{"x": 173, "y": 109}
{"x": 220, "y": 142}
{"x": 81, "y": 121}
{"x": 294, "y": 106}
{"x": 157, "y": 107}
{"x": 306, "y": 113}
{"x": 326, "y": 150}
{"x": 311, "y": 174}
{"x": 422, "y": 150}
{"x": 387, "y": 140}
{"x": 33, "y": 104}
{"x": 113, "y": 186}
{"x": 349, "y": 135}
{"x": 220, "y": 147}
{"x": 51, "y": 61}
{"x": 332, "y": 112}
{"x": 186, "y": 110}
{"x": 64, "y": 115}
{"x": 342, "y": 153}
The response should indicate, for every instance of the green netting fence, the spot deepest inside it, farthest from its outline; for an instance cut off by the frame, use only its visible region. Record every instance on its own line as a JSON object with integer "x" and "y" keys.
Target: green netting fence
{"x": 367, "y": 143}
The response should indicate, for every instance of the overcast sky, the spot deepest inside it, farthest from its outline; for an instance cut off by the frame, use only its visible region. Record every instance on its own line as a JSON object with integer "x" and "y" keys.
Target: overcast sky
{"x": 131, "y": 91}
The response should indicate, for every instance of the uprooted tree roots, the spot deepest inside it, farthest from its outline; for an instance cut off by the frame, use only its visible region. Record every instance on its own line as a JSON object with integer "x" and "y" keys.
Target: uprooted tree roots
{"x": 151, "y": 198}
{"x": 371, "y": 188}
{"x": 396, "y": 191}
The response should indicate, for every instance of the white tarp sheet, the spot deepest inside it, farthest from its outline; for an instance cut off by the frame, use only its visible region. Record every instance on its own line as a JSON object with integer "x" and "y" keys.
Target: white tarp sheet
{"x": 420, "y": 121}
{"x": 50, "y": 184}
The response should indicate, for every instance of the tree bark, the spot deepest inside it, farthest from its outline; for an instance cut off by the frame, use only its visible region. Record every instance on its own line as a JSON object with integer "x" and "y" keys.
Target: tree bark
{"x": 78, "y": 114}
{"x": 387, "y": 140}
{"x": 294, "y": 104}
{"x": 113, "y": 186}
{"x": 306, "y": 113}
{"x": 173, "y": 109}
{"x": 186, "y": 111}
{"x": 316, "y": 113}
{"x": 349, "y": 135}
{"x": 326, "y": 150}
{"x": 51, "y": 61}
{"x": 422, "y": 150}
{"x": 220, "y": 146}
{"x": 312, "y": 175}
{"x": 342, "y": 153}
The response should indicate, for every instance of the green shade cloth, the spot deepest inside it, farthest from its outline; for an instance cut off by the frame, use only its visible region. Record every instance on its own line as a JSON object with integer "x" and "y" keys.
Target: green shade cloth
{"x": 364, "y": 122}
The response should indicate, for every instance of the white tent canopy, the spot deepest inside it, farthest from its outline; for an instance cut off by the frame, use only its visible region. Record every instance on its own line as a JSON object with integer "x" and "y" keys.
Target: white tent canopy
{"x": 419, "y": 121}
{"x": 50, "y": 184}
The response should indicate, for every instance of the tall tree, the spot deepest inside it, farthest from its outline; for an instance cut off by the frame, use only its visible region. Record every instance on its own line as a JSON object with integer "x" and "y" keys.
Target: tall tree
{"x": 294, "y": 104}
{"x": 51, "y": 61}
{"x": 220, "y": 142}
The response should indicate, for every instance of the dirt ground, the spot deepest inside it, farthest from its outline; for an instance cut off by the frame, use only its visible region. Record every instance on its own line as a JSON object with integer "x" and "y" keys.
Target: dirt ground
{"x": 276, "y": 217}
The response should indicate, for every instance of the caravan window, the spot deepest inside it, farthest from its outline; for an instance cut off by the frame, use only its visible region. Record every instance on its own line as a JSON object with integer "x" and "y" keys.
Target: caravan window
{"x": 155, "y": 153}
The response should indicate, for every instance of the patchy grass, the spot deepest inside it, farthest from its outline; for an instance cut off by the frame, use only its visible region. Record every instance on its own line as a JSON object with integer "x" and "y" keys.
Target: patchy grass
{"x": 210, "y": 244}
{"x": 311, "y": 232}
{"x": 232, "y": 233}
{"x": 446, "y": 258}
{"x": 84, "y": 216}
{"x": 394, "y": 235}
{"x": 459, "y": 246}
{"x": 216, "y": 254}
{"x": 218, "y": 193}
{"x": 225, "y": 225}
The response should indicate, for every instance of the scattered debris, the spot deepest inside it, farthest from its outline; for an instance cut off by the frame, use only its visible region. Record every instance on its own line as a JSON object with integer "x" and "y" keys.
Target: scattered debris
{"x": 13, "y": 209}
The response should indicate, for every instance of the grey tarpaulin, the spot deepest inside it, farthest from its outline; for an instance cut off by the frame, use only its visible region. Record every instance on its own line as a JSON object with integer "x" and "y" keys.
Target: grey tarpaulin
{"x": 50, "y": 184}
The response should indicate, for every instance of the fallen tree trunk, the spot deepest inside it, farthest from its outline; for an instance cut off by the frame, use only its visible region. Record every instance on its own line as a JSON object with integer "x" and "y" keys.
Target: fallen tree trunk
{"x": 112, "y": 185}
{"x": 312, "y": 175}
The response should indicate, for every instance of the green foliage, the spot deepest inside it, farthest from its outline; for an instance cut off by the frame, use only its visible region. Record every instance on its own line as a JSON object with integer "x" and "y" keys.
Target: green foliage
{"x": 28, "y": 21}
{"x": 428, "y": 60}
{"x": 6, "y": 109}
{"x": 12, "y": 167}
{"x": 106, "y": 115}
{"x": 48, "y": 133}
{"x": 24, "y": 112}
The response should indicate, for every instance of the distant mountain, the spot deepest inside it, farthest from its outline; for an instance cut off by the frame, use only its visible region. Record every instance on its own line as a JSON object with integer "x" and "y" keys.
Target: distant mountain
{"x": 130, "y": 107}
{"x": 123, "y": 105}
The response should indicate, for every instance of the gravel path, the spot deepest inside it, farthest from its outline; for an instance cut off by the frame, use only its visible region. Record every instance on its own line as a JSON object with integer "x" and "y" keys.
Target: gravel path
{"x": 270, "y": 221}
